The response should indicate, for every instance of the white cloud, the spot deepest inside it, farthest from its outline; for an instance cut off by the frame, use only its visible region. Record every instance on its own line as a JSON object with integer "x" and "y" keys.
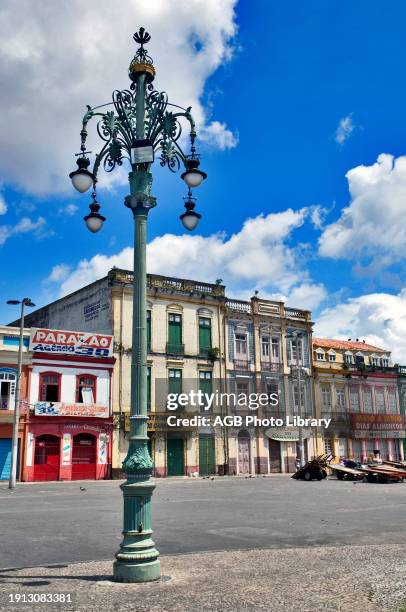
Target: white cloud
{"x": 372, "y": 227}
{"x": 377, "y": 318}
{"x": 58, "y": 57}
{"x": 69, "y": 210}
{"x": 89, "y": 270}
{"x": 4, "y": 234}
{"x": 3, "y": 205}
{"x": 24, "y": 226}
{"x": 259, "y": 256}
{"x": 59, "y": 273}
{"x": 27, "y": 225}
{"x": 307, "y": 296}
{"x": 318, "y": 215}
{"x": 344, "y": 129}
{"x": 218, "y": 135}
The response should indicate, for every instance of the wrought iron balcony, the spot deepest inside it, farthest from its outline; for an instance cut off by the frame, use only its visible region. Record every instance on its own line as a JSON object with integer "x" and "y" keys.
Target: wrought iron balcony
{"x": 204, "y": 351}
{"x": 5, "y": 403}
{"x": 367, "y": 369}
{"x": 268, "y": 366}
{"x": 175, "y": 349}
{"x": 336, "y": 416}
{"x": 241, "y": 364}
{"x": 271, "y": 411}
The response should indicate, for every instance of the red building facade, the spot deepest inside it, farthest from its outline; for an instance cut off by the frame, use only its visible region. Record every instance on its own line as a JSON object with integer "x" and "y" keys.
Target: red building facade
{"x": 69, "y": 430}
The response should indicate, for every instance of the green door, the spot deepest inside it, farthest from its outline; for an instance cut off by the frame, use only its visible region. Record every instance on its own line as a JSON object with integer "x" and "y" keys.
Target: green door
{"x": 207, "y": 460}
{"x": 174, "y": 457}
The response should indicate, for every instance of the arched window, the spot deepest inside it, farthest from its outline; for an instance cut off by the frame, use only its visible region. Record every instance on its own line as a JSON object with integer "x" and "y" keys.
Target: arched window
{"x": 7, "y": 388}
{"x": 50, "y": 387}
{"x": 86, "y": 389}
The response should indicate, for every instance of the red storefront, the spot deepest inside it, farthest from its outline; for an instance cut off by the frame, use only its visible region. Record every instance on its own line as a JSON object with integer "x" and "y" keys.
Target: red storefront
{"x": 68, "y": 449}
{"x": 70, "y": 424}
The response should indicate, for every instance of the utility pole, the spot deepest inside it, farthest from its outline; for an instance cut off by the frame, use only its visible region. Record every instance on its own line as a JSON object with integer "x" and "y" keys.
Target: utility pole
{"x": 14, "y": 444}
{"x": 299, "y": 384}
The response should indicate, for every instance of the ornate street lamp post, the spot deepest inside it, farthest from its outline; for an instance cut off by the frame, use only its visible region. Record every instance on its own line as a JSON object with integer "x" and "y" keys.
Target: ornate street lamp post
{"x": 140, "y": 124}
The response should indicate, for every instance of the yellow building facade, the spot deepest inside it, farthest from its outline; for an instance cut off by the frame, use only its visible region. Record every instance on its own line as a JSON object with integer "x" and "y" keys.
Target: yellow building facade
{"x": 178, "y": 312}
{"x": 355, "y": 384}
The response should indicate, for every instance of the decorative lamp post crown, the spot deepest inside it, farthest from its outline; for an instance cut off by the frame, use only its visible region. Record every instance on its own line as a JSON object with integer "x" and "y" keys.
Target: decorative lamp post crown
{"x": 141, "y": 62}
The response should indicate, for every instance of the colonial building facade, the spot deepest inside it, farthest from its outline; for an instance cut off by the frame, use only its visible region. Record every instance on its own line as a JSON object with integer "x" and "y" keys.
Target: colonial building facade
{"x": 267, "y": 351}
{"x": 356, "y": 385}
{"x": 198, "y": 339}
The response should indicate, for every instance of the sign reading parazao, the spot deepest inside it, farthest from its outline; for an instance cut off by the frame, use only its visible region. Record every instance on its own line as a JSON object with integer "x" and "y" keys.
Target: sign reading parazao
{"x": 70, "y": 410}
{"x": 72, "y": 343}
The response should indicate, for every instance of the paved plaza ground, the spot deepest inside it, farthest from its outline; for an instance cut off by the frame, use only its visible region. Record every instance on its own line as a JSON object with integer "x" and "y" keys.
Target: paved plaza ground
{"x": 258, "y": 543}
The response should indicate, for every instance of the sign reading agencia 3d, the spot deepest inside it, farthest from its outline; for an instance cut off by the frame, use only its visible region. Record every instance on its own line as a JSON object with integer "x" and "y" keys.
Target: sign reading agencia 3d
{"x": 70, "y": 342}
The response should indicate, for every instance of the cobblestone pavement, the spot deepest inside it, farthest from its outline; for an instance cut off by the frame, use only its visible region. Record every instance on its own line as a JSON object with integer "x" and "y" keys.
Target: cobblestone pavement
{"x": 45, "y": 523}
{"x": 340, "y": 578}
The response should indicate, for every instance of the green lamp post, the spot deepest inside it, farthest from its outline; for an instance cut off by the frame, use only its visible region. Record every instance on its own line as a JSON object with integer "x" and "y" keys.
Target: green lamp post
{"x": 139, "y": 123}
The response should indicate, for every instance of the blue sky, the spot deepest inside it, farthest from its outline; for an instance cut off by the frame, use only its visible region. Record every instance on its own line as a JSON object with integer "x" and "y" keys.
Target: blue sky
{"x": 272, "y": 82}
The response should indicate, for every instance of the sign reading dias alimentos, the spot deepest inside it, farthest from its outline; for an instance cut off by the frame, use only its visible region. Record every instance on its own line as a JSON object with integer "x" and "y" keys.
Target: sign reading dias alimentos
{"x": 71, "y": 343}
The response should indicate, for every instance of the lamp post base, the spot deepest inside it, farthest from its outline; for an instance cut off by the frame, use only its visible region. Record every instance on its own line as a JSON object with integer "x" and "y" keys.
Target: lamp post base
{"x": 137, "y": 560}
{"x": 136, "y": 572}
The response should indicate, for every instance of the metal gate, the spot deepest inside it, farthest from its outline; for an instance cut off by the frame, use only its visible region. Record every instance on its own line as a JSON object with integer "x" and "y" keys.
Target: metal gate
{"x": 174, "y": 457}
{"x": 84, "y": 457}
{"x": 46, "y": 458}
{"x": 207, "y": 457}
{"x": 244, "y": 457}
{"x": 274, "y": 456}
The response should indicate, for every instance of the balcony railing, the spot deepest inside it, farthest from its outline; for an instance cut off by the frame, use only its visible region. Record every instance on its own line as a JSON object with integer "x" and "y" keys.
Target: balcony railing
{"x": 169, "y": 284}
{"x": 293, "y": 313}
{"x": 340, "y": 418}
{"x": 268, "y": 366}
{"x": 239, "y": 306}
{"x": 241, "y": 364}
{"x": 175, "y": 349}
{"x": 204, "y": 351}
{"x": 271, "y": 411}
{"x": 5, "y": 403}
{"x": 366, "y": 369}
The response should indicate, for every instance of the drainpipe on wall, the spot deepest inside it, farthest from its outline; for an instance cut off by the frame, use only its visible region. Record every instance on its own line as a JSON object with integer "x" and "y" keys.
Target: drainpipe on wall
{"x": 286, "y": 384}
{"x": 257, "y": 365}
{"x": 223, "y": 355}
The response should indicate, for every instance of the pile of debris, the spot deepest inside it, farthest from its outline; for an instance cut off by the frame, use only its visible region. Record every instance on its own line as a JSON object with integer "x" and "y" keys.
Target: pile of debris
{"x": 383, "y": 472}
{"x": 315, "y": 469}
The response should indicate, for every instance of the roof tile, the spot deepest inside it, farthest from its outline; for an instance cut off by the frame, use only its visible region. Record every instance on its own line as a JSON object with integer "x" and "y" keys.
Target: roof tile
{"x": 345, "y": 345}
